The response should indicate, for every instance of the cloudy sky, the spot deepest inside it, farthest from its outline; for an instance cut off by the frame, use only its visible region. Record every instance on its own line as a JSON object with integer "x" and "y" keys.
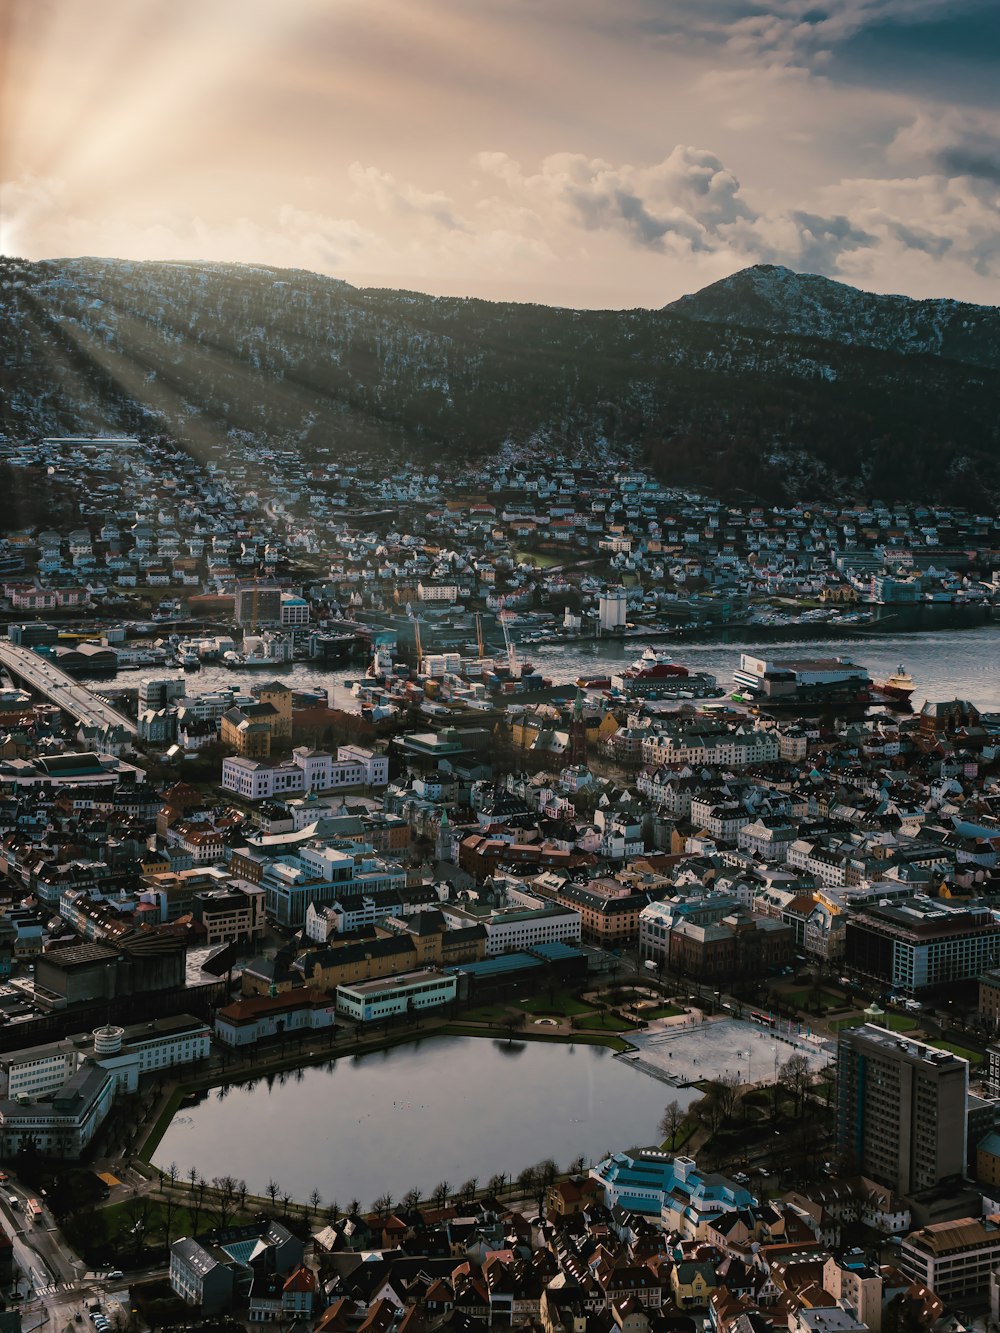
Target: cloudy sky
{"x": 577, "y": 152}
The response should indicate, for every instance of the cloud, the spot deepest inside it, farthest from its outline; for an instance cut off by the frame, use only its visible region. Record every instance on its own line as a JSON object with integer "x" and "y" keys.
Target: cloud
{"x": 689, "y": 203}
{"x": 678, "y": 203}
{"x": 392, "y": 196}
{"x": 952, "y": 144}
{"x": 789, "y": 32}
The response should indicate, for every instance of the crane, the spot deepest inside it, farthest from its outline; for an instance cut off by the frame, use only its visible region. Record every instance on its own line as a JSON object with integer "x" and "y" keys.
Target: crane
{"x": 479, "y": 635}
{"x": 418, "y": 646}
{"x": 515, "y": 670}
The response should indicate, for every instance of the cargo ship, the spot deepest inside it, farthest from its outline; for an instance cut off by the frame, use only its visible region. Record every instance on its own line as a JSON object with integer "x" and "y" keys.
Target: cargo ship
{"x": 895, "y": 689}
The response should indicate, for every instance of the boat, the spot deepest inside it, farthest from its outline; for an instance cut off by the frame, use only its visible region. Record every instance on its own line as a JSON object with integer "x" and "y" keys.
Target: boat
{"x": 190, "y": 661}
{"x": 594, "y": 682}
{"x": 897, "y": 688}
{"x": 655, "y": 675}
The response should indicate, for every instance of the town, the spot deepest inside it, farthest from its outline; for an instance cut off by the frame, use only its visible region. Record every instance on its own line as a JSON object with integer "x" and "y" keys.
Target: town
{"x": 772, "y": 902}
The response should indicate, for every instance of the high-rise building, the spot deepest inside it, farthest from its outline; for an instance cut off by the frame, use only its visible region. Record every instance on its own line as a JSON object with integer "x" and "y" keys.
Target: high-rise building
{"x": 258, "y": 604}
{"x": 901, "y": 1109}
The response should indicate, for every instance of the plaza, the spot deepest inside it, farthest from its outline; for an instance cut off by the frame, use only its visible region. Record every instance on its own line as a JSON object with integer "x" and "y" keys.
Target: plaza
{"x": 687, "y": 1052}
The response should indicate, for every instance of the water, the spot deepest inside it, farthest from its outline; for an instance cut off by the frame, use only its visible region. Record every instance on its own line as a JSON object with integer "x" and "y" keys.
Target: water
{"x": 945, "y": 663}
{"x": 442, "y": 1108}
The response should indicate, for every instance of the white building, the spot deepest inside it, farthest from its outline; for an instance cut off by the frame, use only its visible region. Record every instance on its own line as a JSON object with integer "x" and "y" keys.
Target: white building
{"x": 369, "y": 1001}
{"x": 517, "y": 929}
{"x": 612, "y": 609}
{"x": 306, "y": 771}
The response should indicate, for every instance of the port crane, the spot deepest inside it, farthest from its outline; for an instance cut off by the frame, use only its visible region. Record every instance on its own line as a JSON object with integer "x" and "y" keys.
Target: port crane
{"x": 515, "y": 667}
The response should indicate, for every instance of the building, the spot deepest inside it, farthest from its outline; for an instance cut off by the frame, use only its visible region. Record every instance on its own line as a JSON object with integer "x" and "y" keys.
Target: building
{"x": 258, "y": 604}
{"x": 280, "y": 699}
{"x": 235, "y": 913}
{"x": 247, "y": 1021}
{"x": 261, "y": 779}
{"x": 37, "y": 1072}
{"x": 920, "y": 943}
{"x": 669, "y": 1188}
{"x": 409, "y": 992}
{"x": 515, "y": 930}
{"x": 901, "y": 1109}
{"x": 612, "y": 609}
{"x": 954, "y": 1259}
{"x": 61, "y": 1123}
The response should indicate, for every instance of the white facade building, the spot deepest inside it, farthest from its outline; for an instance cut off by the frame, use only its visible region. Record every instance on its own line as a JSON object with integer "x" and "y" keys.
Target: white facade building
{"x": 369, "y": 1001}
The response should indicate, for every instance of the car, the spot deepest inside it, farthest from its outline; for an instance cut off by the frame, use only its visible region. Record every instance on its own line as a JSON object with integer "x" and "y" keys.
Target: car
{"x": 115, "y": 1274}
{"x": 763, "y": 1171}
{"x": 741, "y": 1177}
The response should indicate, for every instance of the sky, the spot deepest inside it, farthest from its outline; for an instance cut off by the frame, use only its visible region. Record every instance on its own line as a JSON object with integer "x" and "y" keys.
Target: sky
{"x": 588, "y": 153}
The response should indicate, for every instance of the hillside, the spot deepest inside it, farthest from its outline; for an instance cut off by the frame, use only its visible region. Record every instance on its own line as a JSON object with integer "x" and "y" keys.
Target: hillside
{"x": 215, "y": 354}
{"x": 778, "y": 300}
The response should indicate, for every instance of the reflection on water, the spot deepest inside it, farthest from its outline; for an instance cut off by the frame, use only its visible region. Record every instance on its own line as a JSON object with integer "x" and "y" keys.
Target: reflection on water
{"x": 443, "y": 1108}
{"x": 944, "y": 659}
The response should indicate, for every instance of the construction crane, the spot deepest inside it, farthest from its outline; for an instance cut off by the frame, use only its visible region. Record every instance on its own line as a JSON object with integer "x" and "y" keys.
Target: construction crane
{"x": 417, "y": 644}
{"x": 479, "y": 636}
{"x": 515, "y": 669}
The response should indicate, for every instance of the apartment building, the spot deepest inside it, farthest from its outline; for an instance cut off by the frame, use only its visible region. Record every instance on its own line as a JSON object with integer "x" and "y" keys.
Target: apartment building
{"x": 901, "y": 1109}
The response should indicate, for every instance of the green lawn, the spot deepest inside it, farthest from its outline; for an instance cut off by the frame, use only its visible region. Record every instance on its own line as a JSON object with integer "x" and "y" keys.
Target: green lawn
{"x": 973, "y": 1057}
{"x": 806, "y": 999}
{"x": 894, "y": 1022}
{"x": 662, "y": 1011}
{"x": 540, "y": 559}
{"x": 558, "y": 1003}
{"x": 486, "y": 1013}
{"x": 607, "y": 1023}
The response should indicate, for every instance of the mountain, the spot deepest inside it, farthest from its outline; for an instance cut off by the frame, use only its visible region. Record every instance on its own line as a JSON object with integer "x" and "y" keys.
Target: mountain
{"x": 778, "y": 300}
{"x": 719, "y": 391}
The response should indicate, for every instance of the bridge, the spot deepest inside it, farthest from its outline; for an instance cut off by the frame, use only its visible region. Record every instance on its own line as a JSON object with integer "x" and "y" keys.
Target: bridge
{"x": 44, "y": 677}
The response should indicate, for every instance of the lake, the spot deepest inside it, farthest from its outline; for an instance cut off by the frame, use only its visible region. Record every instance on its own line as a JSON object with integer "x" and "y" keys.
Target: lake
{"x": 441, "y": 1108}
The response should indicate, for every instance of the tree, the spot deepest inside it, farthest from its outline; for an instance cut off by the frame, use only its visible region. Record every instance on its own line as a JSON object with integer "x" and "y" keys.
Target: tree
{"x": 728, "y": 1086}
{"x": 495, "y": 1184}
{"x": 671, "y": 1121}
{"x": 442, "y": 1191}
{"x": 272, "y": 1190}
{"x": 410, "y": 1201}
{"x": 353, "y": 1208}
{"x": 527, "y": 1180}
{"x": 795, "y": 1077}
{"x": 468, "y": 1190}
{"x": 315, "y": 1199}
{"x": 382, "y": 1206}
{"x": 226, "y": 1190}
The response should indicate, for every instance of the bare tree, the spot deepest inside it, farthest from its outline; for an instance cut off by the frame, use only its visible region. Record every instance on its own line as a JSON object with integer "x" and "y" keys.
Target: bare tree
{"x": 795, "y": 1077}
{"x": 226, "y": 1191}
{"x": 410, "y": 1201}
{"x": 468, "y": 1190}
{"x": 315, "y": 1199}
{"x": 272, "y": 1190}
{"x": 442, "y": 1192}
{"x": 382, "y": 1206}
{"x": 671, "y": 1121}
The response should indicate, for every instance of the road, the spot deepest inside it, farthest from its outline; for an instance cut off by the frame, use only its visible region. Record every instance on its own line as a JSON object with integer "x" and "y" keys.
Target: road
{"x": 54, "y": 1285}
{"x": 46, "y": 678}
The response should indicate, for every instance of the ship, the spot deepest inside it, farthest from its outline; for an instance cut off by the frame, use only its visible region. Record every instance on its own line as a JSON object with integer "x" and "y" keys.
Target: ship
{"x": 896, "y": 688}
{"x": 655, "y": 675}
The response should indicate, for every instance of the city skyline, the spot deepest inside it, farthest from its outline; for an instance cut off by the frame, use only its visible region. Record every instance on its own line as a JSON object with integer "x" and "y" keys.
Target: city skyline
{"x": 578, "y": 154}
